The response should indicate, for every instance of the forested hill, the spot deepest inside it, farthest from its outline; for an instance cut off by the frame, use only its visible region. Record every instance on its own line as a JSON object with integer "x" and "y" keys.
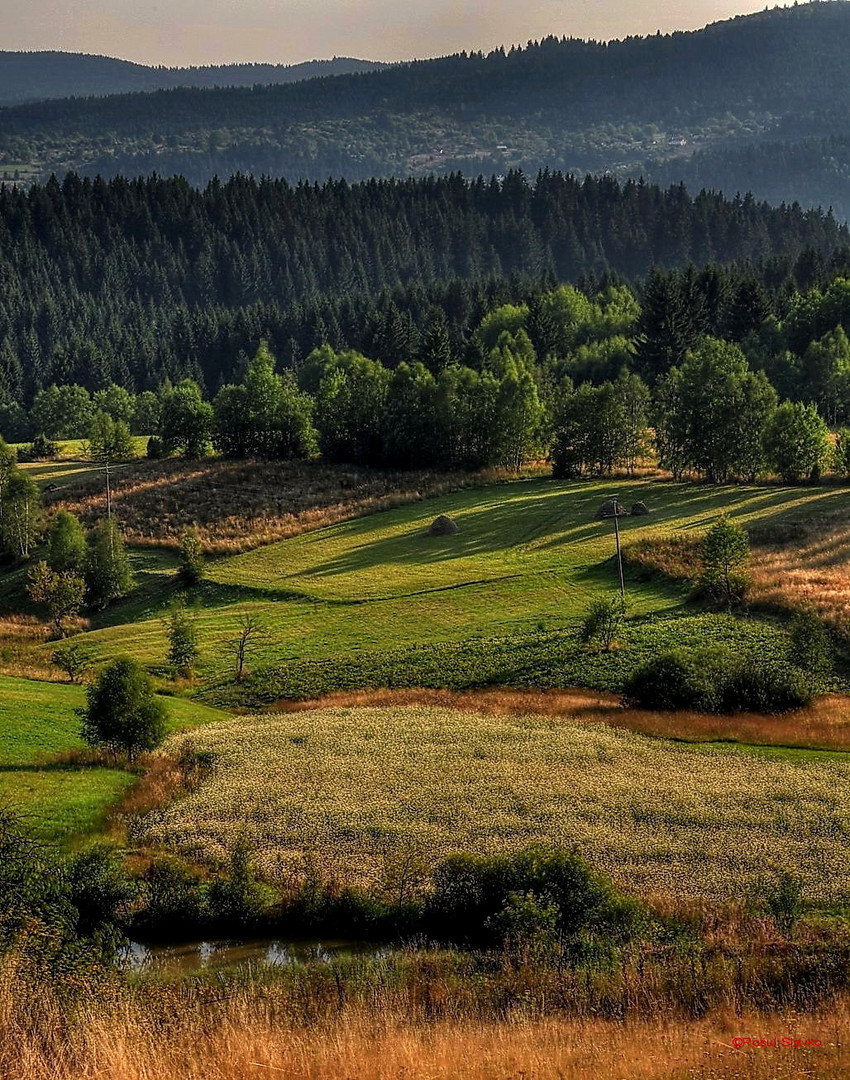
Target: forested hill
{"x": 563, "y": 104}
{"x": 815, "y": 170}
{"x": 132, "y": 281}
{"x": 37, "y": 76}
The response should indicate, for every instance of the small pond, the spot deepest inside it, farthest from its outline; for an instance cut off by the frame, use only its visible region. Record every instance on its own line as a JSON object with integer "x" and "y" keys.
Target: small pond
{"x": 186, "y": 958}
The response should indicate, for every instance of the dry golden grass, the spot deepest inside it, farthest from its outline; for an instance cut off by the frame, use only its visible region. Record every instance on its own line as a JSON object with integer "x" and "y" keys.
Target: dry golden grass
{"x": 245, "y": 1036}
{"x": 20, "y": 654}
{"x": 807, "y": 565}
{"x": 794, "y": 565}
{"x": 365, "y": 792}
{"x": 236, "y": 506}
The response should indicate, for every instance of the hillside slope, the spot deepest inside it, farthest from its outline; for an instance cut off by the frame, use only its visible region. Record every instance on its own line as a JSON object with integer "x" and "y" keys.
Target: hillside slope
{"x": 40, "y": 76}
{"x": 565, "y": 104}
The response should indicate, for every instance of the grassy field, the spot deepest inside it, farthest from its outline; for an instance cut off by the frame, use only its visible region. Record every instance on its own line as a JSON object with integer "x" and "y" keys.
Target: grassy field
{"x": 38, "y": 724}
{"x": 369, "y": 794}
{"x": 236, "y": 506}
{"x": 528, "y": 559}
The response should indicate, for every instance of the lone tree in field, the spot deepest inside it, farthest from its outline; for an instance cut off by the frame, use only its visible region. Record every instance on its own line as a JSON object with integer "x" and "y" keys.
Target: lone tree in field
{"x": 108, "y": 573}
{"x": 66, "y": 544}
{"x": 192, "y": 562}
{"x": 182, "y": 641}
{"x": 725, "y": 555}
{"x": 251, "y": 628}
{"x": 61, "y": 594}
{"x": 122, "y": 712}
{"x": 72, "y": 658}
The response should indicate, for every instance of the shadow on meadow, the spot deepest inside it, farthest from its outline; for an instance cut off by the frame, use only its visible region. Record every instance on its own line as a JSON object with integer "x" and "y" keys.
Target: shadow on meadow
{"x": 557, "y": 521}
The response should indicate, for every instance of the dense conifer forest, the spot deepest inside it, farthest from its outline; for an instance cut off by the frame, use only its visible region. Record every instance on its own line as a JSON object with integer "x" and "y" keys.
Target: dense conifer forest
{"x": 130, "y": 282}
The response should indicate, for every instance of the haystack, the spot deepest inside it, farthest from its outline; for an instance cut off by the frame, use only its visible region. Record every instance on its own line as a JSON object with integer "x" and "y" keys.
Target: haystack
{"x": 442, "y": 526}
{"x": 639, "y": 509}
{"x": 611, "y": 508}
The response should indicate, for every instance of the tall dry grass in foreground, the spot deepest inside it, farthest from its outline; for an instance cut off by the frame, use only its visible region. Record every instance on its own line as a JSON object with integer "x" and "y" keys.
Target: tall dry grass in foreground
{"x": 244, "y": 1037}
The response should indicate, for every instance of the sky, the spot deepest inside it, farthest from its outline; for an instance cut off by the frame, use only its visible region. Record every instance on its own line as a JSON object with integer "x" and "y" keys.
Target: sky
{"x": 182, "y": 32}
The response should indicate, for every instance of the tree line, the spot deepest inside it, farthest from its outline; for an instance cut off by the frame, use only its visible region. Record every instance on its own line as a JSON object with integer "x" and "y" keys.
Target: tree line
{"x": 134, "y": 282}
{"x": 582, "y": 377}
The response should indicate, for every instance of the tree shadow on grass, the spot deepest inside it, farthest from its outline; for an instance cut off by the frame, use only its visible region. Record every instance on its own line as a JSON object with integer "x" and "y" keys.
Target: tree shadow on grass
{"x": 538, "y": 518}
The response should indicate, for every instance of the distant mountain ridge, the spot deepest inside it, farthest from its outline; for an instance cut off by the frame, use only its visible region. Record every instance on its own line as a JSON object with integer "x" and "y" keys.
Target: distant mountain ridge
{"x": 726, "y": 104}
{"x": 41, "y": 76}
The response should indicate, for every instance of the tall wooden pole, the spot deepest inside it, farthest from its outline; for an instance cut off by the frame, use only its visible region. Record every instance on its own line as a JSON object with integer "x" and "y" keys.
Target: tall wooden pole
{"x": 619, "y": 552}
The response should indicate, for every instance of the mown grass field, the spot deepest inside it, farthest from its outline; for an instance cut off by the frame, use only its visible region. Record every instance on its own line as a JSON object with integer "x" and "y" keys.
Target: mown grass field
{"x": 368, "y": 795}
{"x": 38, "y": 724}
{"x": 527, "y": 561}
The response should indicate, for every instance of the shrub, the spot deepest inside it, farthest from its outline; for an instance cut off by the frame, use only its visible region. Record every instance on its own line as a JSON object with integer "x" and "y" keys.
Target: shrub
{"x": 811, "y": 649}
{"x": 527, "y": 925}
{"x": 237, "y": 899}
{"x": 66, "y": 543}
{"x": 182, "y": 641}
{"x": 478, "y": 898}
{"x": 603, "y": 621}
{"x": 669, "y": 681}
{"x": 107, "y": 572}
{"x": 192, "y": 562}
{"x": 725, "y": 555}
{"x": 122, "y": 712}
{"x": 98, "y": 888}
{"x": 41, "y": 449}
{"x": 783, "y": 899}
{"x": 172, "y": 899}
{"x": 717, "y": 680}
{"x": 155, "y": 449}
{"x": 61, "y": 594}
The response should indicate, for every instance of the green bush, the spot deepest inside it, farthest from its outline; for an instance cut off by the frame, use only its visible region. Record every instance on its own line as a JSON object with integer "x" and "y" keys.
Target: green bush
{"x": 810, "y": 644}
{"x": 98, "y": 888}
{"x": 122, "y": 712}
{"x": 603, "y": 621}
{"x": 237, "y": 900}
{"x": 172, "y": 900}
{"x": 484, "y": 898}
{"x": 717, "y": 680}
{"x": 155, "y": 449}
{"x": 192, "y": 561}
{"x": 41, "y": 449}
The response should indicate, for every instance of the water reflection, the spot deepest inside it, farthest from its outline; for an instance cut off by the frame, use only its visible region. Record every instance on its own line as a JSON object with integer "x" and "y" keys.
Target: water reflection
{"x": 193, "y": 956}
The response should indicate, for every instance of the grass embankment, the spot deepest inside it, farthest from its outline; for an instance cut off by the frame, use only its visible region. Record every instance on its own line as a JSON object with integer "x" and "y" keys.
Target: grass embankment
{"x": 377, "y": 599}
{"x": 57, "y": 799}
{"x": 822, "y": 728}
{"x": 369, "y": 795}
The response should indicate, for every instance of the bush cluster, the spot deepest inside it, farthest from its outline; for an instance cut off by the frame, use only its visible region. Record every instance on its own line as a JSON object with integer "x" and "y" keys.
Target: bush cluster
{"x": 718, "y": 680}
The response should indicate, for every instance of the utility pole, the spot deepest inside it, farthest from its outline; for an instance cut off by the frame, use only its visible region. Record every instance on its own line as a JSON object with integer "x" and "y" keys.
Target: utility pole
{"x": 619, "y": 552}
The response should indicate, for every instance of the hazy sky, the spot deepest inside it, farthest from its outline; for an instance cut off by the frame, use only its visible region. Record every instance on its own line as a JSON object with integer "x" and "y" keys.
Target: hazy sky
{"x": 177, "y": 32}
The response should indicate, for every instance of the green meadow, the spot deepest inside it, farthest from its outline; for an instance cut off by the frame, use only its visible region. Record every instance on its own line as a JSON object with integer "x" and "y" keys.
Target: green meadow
{"x": 38, "y": 725}
{"x": 529, "y": 556}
